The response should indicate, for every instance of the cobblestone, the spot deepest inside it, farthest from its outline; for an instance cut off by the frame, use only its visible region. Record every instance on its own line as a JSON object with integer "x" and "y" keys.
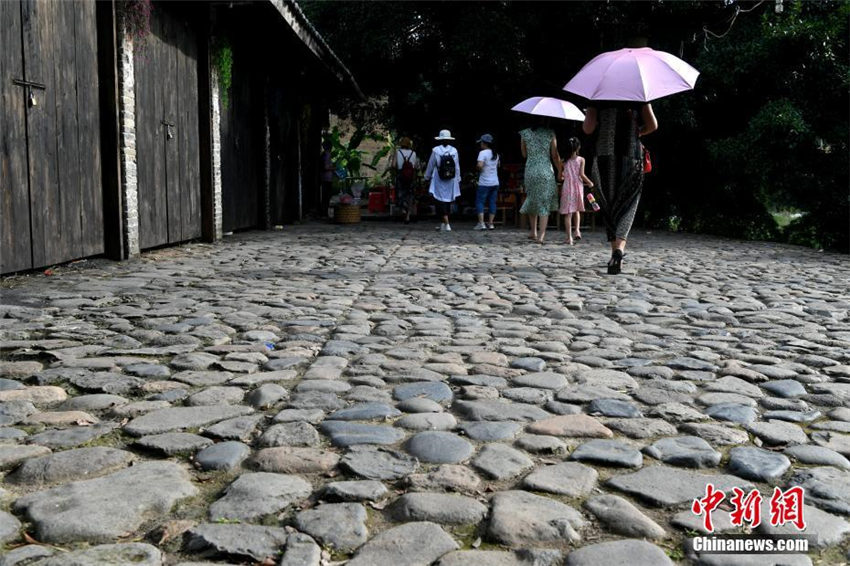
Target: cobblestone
{"x": 323, "y": 384}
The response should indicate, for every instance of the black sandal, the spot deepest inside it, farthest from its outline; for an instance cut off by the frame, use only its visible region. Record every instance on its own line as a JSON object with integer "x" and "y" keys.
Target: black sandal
{"x": 615, "y": 263}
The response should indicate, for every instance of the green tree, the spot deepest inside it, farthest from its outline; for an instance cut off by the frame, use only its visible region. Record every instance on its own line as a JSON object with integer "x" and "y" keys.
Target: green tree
{"x": 773, "y": 110}
{"x": 766, "y": 128}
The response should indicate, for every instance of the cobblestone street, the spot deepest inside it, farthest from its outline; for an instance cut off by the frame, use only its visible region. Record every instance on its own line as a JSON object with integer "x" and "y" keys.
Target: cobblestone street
{"x": 390, "y": 395}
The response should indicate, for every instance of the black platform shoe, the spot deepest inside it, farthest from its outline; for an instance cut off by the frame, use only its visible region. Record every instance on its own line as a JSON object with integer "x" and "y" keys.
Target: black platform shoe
{"x": 615, "y": 263}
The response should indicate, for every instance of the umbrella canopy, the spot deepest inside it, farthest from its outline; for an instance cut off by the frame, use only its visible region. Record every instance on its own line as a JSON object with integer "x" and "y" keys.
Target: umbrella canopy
{"x": 552, "y": 107}
{"x": 639, "y": 75}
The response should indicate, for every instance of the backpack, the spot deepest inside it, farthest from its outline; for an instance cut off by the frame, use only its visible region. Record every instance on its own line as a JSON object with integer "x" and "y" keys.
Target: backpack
{"x": 447, "y": 167}
{"x": 407, "y": 173}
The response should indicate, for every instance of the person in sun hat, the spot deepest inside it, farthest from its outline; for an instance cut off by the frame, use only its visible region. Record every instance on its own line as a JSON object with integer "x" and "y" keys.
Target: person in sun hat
{"x": 443, "y": 174}
{"x": 488, "y": 181}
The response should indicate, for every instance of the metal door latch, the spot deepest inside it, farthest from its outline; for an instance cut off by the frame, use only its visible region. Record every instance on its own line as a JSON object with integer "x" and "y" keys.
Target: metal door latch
{"x": 30, "y": 86}
{"x": 168, "y": 125}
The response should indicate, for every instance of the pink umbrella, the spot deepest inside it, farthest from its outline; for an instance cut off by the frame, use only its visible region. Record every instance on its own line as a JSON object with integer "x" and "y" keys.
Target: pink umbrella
{"x": 634, "y": 74}
{"x": 552, "y": 107}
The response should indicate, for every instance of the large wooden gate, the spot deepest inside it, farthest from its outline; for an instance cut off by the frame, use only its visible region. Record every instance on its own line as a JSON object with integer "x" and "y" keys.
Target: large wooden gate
{"x": 51, "y": 208}
{"x": 167, "y": 130}
{"x": 243, "y": 131}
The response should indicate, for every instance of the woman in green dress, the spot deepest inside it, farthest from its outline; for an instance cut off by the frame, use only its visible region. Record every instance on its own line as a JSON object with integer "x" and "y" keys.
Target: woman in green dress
{"x": 540, "y": 151}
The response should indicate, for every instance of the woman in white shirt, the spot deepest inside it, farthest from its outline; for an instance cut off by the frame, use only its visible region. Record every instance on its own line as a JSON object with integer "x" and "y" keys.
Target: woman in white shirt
{"x": 488, "y": 182}
{"x": 443, "y": 174}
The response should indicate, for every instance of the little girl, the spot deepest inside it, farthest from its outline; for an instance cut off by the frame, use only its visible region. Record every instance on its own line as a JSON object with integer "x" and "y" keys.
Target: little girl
{"x": 572, "y": 197}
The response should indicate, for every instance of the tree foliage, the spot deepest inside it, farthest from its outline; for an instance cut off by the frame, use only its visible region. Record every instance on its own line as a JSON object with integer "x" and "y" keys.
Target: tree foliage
{"x": 784, "y": 78}
{"x": 765, "y": 129}
{"x": 348, "y": 156}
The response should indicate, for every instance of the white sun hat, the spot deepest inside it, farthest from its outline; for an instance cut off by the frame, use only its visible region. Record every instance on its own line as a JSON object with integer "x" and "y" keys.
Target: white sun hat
{"x": 444, "y": 135}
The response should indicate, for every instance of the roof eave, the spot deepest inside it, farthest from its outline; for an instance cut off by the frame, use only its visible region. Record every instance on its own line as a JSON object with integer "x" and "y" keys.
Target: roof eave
{"x": 295, "y": 18}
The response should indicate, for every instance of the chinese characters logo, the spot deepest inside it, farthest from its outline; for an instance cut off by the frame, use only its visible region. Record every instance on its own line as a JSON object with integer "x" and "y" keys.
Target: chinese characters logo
{"x": 785, "y": 507}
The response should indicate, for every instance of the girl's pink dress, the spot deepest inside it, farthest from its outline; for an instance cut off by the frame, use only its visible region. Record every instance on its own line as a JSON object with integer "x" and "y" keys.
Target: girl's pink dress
{"x": 572, "y": 196}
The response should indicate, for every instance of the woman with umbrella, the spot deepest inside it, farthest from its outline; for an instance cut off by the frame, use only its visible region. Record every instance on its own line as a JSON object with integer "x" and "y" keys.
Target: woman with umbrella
{"x": 619, "y": 166}
{"x": 620, "y": 85}
{"x": 541, "y": 152}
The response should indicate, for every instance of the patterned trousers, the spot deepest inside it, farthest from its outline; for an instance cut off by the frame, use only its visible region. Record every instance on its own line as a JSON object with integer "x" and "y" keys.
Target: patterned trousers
{"x": 619, "y": 181}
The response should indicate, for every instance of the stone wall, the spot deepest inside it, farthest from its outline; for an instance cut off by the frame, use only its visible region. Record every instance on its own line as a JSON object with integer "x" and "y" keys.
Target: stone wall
{"x": 267, "y": 171}
{"x": 216, "y": 152}
{"x": 127, "y": 150}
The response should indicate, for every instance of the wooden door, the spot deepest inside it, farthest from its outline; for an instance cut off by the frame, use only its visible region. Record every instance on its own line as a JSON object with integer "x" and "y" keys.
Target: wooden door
{"x": 167, "y": 130}
{"x": 50, "y": 169}
{"x": 242, "y": 135}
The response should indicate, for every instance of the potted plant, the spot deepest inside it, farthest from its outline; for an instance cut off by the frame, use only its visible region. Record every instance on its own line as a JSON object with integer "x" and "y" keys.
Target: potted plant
{"x": 349, "y": 181}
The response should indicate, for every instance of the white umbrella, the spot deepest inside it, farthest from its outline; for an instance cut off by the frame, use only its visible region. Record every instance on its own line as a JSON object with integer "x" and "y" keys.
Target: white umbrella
{"x": 552, "y": 107}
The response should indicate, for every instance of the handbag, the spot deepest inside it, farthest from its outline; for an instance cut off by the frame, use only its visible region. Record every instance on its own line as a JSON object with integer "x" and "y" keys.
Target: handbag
{"x": 647, "y": 160}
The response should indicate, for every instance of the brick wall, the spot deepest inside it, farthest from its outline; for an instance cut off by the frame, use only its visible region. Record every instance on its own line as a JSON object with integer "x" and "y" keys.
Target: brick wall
{"x": 216, "y": 152}
{"x": 127, "y": 151}
{"x": 267, "y": 170}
